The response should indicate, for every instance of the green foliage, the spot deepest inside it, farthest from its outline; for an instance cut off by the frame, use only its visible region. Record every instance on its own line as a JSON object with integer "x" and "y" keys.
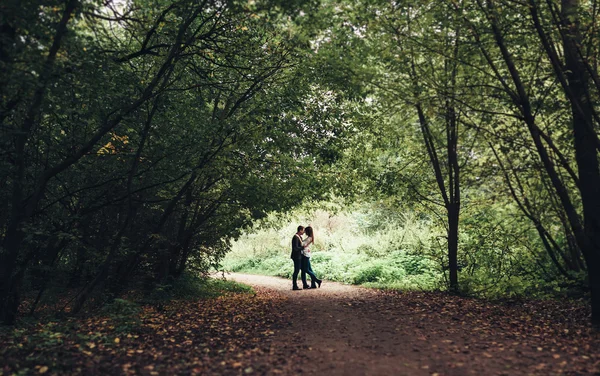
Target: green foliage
{"x": 373, "y": 272}
{"x": 349, "y": 248}
{"x": 121, "y": 307}
{"x": 378, "y": 247}
{"x": 138, "y": 148}
{"x": 190, "y": 286}
{"x": 137, "y": 151}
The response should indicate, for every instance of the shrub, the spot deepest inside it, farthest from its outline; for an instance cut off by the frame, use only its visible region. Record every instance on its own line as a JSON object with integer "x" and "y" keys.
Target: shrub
{"x": 190, "y": 286}
{"x": 371, "y": 273}
{"x": 121, "y": 308}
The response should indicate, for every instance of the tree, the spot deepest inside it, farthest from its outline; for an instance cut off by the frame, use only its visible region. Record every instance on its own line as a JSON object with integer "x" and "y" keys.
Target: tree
{"x": 154, "y": 131}
{"x": 574, "y": 76}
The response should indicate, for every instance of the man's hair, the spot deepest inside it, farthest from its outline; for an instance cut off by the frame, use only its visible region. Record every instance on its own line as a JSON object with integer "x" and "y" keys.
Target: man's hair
{"x": 300, "y": 228}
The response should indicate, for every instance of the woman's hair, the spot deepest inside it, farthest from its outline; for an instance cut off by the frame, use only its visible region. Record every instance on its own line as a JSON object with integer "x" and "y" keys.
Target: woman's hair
{"x": 309, "y": 231}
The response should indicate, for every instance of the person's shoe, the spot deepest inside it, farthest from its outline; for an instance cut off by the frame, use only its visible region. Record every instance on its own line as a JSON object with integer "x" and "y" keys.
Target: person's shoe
{"x": 296, "y": 288}
{"x": 313, "y": 286}
{"x": 306, "y": 287}
{"x": 319, "y": 282}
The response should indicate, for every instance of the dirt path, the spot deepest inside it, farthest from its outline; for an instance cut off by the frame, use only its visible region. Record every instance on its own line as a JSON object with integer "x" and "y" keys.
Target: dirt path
{"x": 347, "y": 330}
{"x": 334, "y": 330}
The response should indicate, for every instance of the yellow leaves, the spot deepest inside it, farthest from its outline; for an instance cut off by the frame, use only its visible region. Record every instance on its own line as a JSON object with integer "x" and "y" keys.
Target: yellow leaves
{"x": 117, "y": 340}
{"x": 123, "y": 139}
{"x": 110, "y": 147}
{"x": 43, "y": 369}
{"x": 150, "y": 368}
{"x": 107, "y": 149}
{"x": 137, "y": 351}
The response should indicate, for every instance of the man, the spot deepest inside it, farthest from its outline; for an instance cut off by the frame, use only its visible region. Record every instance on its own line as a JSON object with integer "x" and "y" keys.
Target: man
{"x": 297, "y": 257}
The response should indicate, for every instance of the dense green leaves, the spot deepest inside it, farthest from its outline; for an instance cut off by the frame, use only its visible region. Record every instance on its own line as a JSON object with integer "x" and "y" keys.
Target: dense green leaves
{"x": 139, "y": 138}
{"x": 149, "y": 134}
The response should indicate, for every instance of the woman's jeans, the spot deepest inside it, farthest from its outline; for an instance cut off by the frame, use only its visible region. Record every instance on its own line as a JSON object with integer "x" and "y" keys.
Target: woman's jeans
{"x": 307, "y": 269}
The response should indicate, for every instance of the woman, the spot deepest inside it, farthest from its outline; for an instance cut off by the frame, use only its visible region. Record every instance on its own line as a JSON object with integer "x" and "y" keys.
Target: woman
{"x": 306, "y": 267}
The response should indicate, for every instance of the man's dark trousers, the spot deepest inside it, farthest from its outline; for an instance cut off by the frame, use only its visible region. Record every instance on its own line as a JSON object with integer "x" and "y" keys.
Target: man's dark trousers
{"x": 297, "y": 268}
{"x": 296, "y": 256}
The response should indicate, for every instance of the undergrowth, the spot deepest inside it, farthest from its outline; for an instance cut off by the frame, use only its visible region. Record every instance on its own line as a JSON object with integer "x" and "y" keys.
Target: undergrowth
{"x": 387, "y": 249}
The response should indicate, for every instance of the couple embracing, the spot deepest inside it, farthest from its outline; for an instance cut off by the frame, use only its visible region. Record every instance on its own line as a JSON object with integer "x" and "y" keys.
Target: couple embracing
{"x": 301, "y": 258}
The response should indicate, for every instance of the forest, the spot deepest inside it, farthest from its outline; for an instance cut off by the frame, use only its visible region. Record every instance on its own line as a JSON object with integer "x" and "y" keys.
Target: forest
{"x": 144, "y": 140}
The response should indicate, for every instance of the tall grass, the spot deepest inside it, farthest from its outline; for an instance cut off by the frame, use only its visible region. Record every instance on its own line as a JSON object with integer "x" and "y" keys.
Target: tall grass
{"x": 360, "y": 247}
{"x": 500, "y": 255}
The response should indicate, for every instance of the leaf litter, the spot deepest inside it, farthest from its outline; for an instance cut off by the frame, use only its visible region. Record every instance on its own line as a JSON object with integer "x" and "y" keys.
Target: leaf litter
{"x": 332, "y": 331}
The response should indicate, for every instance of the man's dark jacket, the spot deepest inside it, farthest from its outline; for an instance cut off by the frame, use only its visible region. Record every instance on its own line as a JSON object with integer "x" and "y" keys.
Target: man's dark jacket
{"x": 296, "y": 248}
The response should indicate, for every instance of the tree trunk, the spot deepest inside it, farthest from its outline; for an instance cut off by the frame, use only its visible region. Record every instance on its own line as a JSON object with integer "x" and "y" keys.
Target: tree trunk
{"x": 51, "y": 256}
{"x": 585, "y": 149}
{"x": 453, "y": 216}
{"x": 587, "y": 234}
{"x": 12, "y": 242}
{"x": 129, "y": 265}
{"x": 593, "y": 264}
{"x": 450, "y": 192}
